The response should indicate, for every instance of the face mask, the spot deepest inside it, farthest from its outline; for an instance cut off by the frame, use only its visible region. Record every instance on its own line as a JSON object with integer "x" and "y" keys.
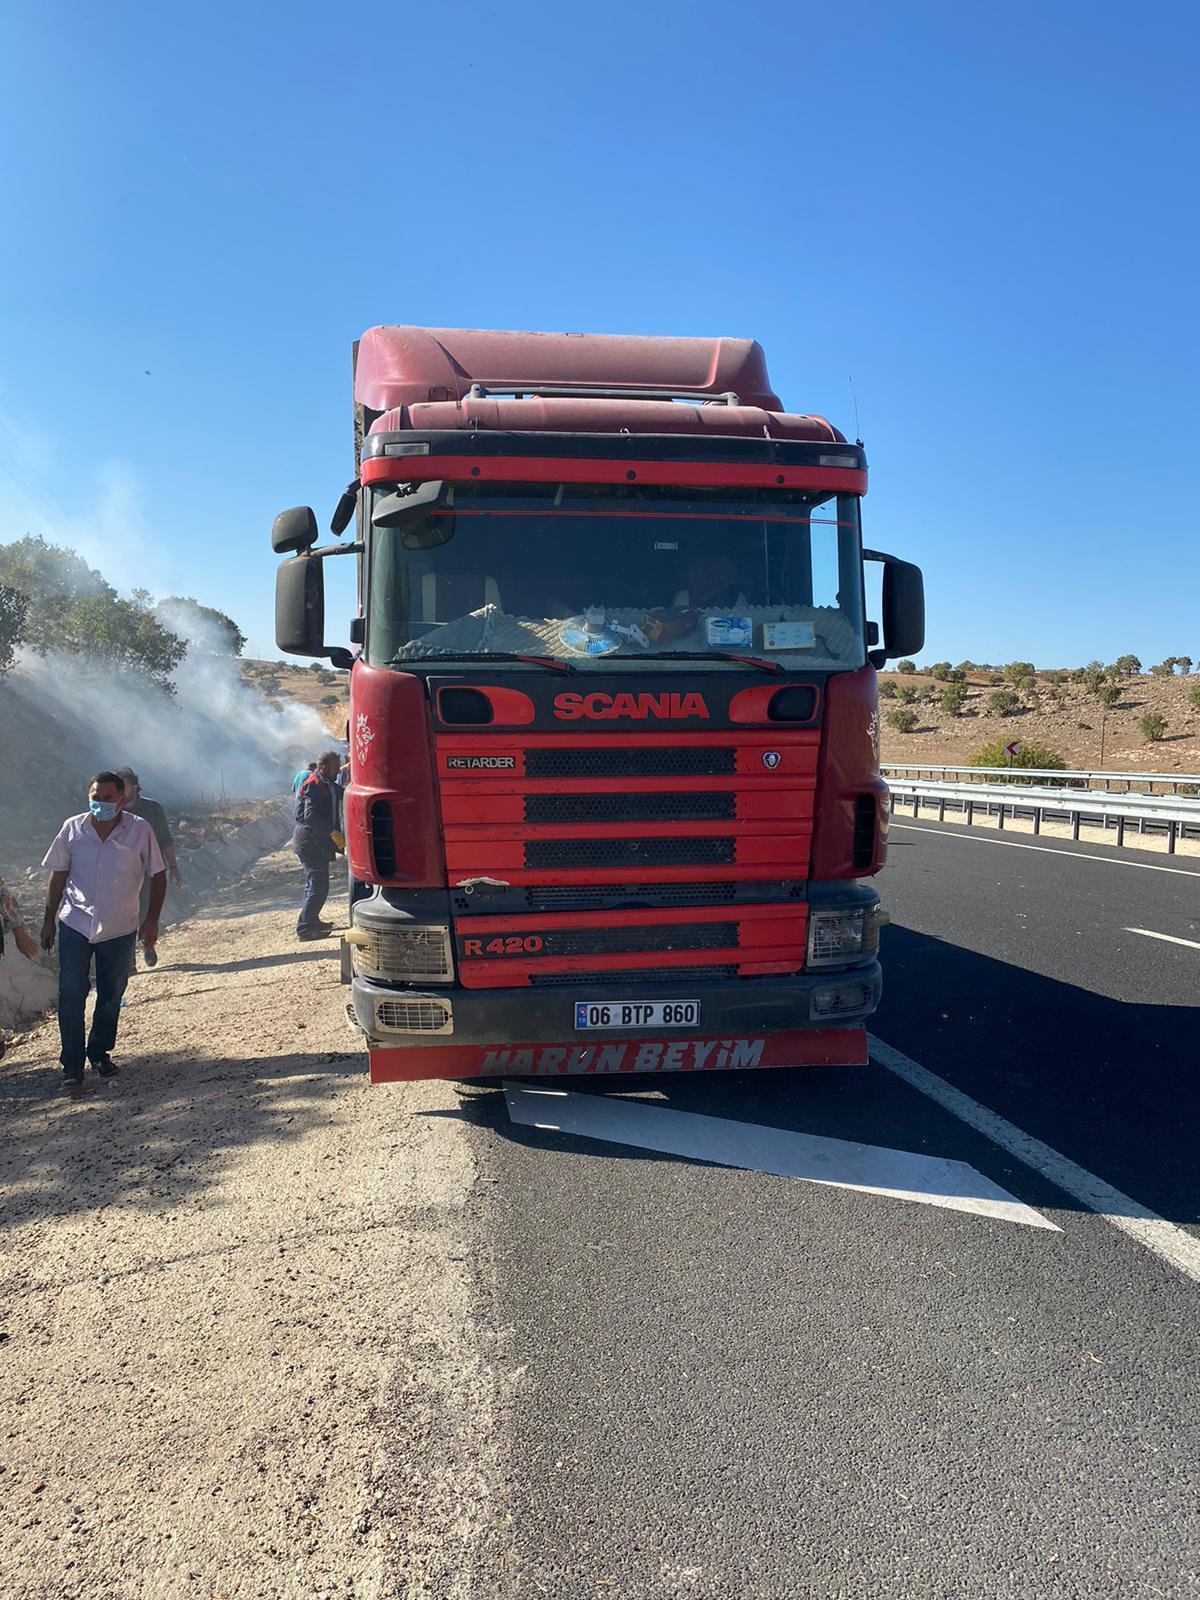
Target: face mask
{"x": 103, "y": 810}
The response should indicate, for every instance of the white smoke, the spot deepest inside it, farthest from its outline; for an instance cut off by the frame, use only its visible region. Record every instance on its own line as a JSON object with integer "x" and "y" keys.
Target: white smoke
{"x": 216, "y": 736}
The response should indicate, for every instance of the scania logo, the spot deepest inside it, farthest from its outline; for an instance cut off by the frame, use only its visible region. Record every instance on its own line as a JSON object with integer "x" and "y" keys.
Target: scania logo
{"x": 602, "y": 707}
{"x": 771, "y": 759}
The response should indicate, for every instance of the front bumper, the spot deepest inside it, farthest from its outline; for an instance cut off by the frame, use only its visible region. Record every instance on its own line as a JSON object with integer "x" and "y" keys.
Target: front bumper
{"x": 394, "y": 1018}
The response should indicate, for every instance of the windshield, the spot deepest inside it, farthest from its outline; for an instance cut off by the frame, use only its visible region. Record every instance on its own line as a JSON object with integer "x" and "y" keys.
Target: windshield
{"x": 599, "y": 575}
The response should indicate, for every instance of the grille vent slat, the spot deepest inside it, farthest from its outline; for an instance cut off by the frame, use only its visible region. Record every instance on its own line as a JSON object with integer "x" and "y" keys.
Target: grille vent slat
{"x": 582, "y": 853}
{"x": 864, "y": 830}
{"x": 633, "y": 762}
{"x": 559, "y": 980}
{"x": 630, "y": 807}
{"x": 383, "y": 839}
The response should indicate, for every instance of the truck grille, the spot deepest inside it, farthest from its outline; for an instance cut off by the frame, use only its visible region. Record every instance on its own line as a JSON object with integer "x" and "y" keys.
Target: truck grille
{"x": 648, "y": 829}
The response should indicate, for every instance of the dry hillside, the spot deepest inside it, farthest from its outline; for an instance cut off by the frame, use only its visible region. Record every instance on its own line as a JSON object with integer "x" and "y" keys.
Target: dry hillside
{"x": 328, "y": 692}
{"x": 1067, "y": 717}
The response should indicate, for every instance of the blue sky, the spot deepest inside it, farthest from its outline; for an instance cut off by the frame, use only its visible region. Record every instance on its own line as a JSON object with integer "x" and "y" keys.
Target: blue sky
{"x": 983, "y": 214}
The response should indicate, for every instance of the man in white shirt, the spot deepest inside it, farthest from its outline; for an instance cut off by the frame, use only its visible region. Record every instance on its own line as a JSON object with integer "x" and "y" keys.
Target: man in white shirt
{"x": 97, "y": 864}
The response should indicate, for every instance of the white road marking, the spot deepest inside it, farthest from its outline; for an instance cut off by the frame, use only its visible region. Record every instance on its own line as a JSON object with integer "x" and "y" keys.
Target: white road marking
{"x": 1174, "y": 1245}
{"x": 1167, "y": 938}
{"x": 899, "y": 1174}
{"x": 1075, "y": 855}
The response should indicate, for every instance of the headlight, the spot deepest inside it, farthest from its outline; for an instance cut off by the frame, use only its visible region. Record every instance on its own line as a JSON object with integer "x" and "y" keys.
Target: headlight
{"x": 839, "y": 936}
{"x": 407, "y": 952}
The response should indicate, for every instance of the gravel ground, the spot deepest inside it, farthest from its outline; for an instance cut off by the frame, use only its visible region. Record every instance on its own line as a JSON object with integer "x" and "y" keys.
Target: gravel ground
{"x": 236, "y": 1348}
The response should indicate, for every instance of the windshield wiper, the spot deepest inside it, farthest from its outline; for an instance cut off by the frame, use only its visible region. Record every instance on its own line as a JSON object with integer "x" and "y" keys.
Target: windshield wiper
{"x": 552, "y": 663}
{"x": 713, "y": 655}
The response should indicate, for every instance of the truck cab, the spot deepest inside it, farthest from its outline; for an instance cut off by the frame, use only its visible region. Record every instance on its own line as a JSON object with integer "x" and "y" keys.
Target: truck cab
{"x": 615, "y": 802}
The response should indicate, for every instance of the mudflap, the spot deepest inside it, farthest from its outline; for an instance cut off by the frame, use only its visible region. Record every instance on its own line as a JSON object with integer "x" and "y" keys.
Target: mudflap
{"x": 802, "y": 1047}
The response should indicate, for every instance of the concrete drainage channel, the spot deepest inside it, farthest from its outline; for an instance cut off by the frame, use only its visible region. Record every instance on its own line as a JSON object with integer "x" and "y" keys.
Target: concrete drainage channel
{"x": 29, "y": 988}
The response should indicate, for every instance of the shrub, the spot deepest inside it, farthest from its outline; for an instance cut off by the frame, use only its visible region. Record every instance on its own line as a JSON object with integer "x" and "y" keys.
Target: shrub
{"x": 1162, "y": 670}
{"x": 903, "y": 719}
{"x": 1194, "y": 695}
{"x": 964, "y": 667}
{"x": 1108, "y": 694}
{"x": 906, "y": 694}
{"x": 1153, "y": 727}
{"x": 1020, "y": 671}
{"x": 1003, "y": 703}
{"x": 995, "y": 679}
{"x": 1057, "y": 677}
{"x": 1092, "y": 677}
{"x": 331, "y": 699}
{"x": 953, "y": 700}
{"x": 887, "y": 689}
{"x": 1031, "y": 755}
{"x": 906, "y": 665}
{"x": 940, "y": 671}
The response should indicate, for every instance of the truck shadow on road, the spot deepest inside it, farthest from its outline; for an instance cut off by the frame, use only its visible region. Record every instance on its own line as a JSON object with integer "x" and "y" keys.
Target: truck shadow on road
{"x": 1115, "y": 1087}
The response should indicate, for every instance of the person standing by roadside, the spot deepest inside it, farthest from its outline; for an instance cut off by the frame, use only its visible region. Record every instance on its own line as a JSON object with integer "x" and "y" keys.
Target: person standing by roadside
{"x": 316, "y": 823}
{"x": 139, "y": 805}
{"x": 303, "y": 776}
{"x": 97, "y": 864}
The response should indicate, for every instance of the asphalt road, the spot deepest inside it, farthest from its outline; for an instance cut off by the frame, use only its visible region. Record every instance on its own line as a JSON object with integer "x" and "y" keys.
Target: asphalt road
{"x": 727, "y": 1384}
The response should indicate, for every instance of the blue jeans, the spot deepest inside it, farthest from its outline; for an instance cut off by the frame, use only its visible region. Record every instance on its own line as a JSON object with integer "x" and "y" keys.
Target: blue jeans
{"x": 75, "y": 955}
{"x": 316, "y": 892}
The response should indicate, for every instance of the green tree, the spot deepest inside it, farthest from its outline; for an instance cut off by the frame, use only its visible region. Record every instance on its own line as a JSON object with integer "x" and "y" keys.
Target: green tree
{"x": 904, "y": 719}
{"x": 1126, "y": 666}
{"x": 1164, "y": 669}
{"x": 1184, "y": 663}
{"x": 940, "y": 670}
{"x": 201, "y": 627}
{"x": 906, "y": 665}
{"x": 1092, "y": 677}
{"x": 1153, "y": 727}
{"x": 1041, "y": 756}
{"x": 954, "y": 699}
{"x": 1003, "y": 702}
{"x": 1020, "y": 672}
{"x": 1108, "y": 694}
{"x": 14, "y": 607}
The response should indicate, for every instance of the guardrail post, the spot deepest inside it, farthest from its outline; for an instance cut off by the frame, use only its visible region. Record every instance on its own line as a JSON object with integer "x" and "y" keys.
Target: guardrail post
{"x": 1000, "y": 823}
{"x": 1172, "y": 829}
{"x": 1120, "y": 831}
{"x": 1037, "y": 819}
{"x": 942, "y": 809}
{"x": 970, "y": 807}
{"x": 1075, "y": 825}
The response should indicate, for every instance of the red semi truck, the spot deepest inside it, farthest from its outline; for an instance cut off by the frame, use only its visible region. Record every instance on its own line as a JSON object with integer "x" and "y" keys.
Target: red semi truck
{"x": 615, "y": 798}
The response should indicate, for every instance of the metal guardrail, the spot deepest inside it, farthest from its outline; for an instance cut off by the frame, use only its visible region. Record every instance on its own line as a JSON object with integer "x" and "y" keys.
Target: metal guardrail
{"x": 1175, "y": 815}
{"x": 1103, "y": 780}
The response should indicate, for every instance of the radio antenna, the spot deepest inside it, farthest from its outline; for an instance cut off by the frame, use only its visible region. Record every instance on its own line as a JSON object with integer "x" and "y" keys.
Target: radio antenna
{"x": 854, "y": 398}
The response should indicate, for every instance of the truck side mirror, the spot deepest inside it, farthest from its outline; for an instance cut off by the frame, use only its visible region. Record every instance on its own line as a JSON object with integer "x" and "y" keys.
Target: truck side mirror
{"x": 903, "y": 608}
{"x": 294, "y": 531}
{"x": 300, "y": 605}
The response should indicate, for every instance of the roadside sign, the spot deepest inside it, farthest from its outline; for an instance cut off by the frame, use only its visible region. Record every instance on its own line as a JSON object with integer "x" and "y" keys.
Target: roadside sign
{"x": 1013, "y": 747}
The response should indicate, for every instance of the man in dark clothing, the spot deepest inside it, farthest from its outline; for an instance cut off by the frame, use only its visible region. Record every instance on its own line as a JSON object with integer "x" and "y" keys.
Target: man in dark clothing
{"x": 316, "y": 822}
{"x": 139, "y": 805}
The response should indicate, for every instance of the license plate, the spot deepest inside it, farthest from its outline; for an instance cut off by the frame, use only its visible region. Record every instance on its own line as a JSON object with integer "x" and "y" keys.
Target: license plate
{"x": 637, "y": 1014}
